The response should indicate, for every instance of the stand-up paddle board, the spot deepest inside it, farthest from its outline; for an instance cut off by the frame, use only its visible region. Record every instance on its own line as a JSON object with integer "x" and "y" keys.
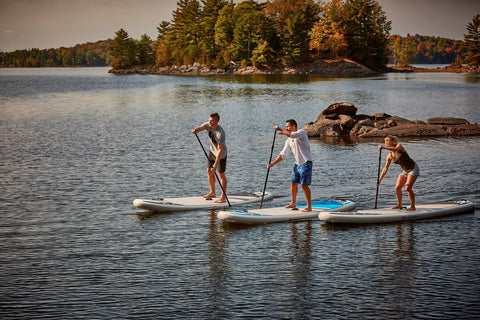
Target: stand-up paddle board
{"x": 280, "y": 214}
{"x": 196, "y": 203}
{"x": 423, "y": 211}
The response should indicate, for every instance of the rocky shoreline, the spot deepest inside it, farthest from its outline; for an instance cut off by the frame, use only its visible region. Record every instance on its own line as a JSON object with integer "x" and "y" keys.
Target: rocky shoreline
{"x": 321, "y": 67}
{"x": 452, "y": 69}
{"x": 341, "y": 119}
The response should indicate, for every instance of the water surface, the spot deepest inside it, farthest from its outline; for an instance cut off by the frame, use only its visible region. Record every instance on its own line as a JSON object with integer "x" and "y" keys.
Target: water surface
{"x": 78, "y": 145}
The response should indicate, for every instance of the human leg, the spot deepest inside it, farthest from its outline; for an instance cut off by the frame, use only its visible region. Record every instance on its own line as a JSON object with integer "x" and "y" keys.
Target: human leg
{"x": 308, "y": 197}
{"x": 305, "y": 180}
{"x": 402, "y": 179}
{"x": 294, "y": 187}
{"x": 409, "y": 188}
{"x": 293, "y": 196}
{"x": 211, "y": 183}
{"x": 223, "y": 181}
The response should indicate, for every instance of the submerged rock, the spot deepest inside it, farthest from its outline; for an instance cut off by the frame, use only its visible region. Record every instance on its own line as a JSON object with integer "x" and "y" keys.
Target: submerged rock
{"x": 340, "y": 119}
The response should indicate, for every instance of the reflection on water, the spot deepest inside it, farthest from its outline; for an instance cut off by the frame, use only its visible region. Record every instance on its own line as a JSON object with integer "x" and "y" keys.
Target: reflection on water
{"x": 396, "y": 267}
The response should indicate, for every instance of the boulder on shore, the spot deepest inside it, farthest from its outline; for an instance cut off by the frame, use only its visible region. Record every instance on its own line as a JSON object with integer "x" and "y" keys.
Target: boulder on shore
{"x": 340, "y": 119}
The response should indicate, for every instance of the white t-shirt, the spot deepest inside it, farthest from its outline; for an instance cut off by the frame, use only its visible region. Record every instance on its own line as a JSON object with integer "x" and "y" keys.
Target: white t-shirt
{"x": 298, "y": 144}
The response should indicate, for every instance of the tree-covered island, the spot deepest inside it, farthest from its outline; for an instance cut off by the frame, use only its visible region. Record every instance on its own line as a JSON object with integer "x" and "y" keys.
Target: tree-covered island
{"x": 308, "y": 35}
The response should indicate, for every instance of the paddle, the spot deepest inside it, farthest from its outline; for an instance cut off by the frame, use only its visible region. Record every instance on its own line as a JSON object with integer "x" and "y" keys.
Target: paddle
{"x": 378, "y": 175}
{"x": 206, "y": 155}
{"x": 268, "y": 170}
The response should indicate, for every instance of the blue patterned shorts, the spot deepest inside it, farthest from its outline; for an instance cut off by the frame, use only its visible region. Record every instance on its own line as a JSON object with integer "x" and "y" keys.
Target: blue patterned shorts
{"x": 302, "y": 173}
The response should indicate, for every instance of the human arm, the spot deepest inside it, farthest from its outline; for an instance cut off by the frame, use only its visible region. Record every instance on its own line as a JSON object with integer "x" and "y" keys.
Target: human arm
{"x": 282, "y": 131}
{"x": 388, "y": 161}
{"x": 397, "y": 147}
{"x": 198, "y": 129}
{"x": 274, "y": 162}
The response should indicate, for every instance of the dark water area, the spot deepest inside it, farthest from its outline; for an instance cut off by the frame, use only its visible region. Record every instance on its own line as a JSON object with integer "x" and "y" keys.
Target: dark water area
{"x": 78, "y": 145}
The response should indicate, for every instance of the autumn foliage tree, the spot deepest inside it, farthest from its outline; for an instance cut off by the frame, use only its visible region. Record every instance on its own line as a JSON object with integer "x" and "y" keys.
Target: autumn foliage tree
{"x": 327, "y": 38}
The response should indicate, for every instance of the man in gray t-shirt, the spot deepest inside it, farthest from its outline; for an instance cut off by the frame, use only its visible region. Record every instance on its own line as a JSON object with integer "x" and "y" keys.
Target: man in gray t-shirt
{"x": 217, "y": 157}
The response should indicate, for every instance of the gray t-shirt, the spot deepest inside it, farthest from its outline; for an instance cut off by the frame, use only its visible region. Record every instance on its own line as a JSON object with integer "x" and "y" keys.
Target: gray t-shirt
{"x": 217, "y": 138}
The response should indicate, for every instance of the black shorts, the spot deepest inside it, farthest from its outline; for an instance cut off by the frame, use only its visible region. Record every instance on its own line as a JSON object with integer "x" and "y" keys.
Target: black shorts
{"x": 222, "y": 166}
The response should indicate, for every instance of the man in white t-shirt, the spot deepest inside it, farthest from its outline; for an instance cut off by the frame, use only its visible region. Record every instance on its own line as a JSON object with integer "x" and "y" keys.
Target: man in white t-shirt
{"x": 297, "y": 143}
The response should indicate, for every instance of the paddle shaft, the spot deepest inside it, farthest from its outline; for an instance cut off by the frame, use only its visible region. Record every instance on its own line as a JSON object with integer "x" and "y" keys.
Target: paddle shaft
{"x": 378, "y": 175}
{"x": 268, "y": 170}
{"x": 216, "y": 176}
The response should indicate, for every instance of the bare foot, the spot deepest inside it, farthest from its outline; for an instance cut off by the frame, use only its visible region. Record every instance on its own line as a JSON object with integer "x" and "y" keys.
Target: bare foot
{"x": 290, "y": 206}
{"x": 210, "y": 195}
{"x": 397, "y": 207}
{"x": 221, "y": 200}
{"x": 411, "y": 209}
{"x": 307, "y": 210}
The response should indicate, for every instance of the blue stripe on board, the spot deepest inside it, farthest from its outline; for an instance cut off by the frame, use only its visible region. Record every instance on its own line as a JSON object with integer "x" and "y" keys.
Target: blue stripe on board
{"x": 324, "y": 204}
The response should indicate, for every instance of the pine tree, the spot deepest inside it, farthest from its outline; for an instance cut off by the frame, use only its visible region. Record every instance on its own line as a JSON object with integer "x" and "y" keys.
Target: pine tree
{"x": 224, "y": 28}
{"x": 247, "y": 33}
{"x": 145, "y": 51}
{"x": 367, "y": 29}
{"x": 185, "y": 30}
{"x": 210, "y": 14}
{"x": 472, "y": 42}
{"x": 293, "y": 20}
{"x": 122, "y": 49}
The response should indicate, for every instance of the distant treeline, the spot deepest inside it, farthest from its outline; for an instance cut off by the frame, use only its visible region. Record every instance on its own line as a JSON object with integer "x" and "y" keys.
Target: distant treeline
{"x": 403, "y": 51}
{"x": 418, "y": 49}
{"x": 87, "y": 55}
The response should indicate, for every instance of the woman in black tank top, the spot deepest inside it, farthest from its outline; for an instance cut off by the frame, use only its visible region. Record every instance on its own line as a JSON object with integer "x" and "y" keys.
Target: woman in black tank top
{"x": 409, "y": 174}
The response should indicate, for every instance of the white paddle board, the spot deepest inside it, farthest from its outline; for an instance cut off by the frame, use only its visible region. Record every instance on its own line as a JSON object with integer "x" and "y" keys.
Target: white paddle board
{"x": 196, "y": 203}
{"x": 280, "y": 214}
{"x": 423, "y": 211}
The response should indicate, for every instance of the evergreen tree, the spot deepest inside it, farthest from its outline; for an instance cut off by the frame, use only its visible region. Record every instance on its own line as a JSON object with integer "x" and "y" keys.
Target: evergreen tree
{"x": 210, "y": 14}
{"x": 224, "y": 29}
{"x": 123, "y": 50}
{"x": 162, "y": 49}
{"x": 145, "y": 51}
{"x": 294, "y": 20}
{"x": 366, "y": 30}
{"x": 248, "y": 31}
{"x": 472, "y": 42}
{"x": 185, "y": 32}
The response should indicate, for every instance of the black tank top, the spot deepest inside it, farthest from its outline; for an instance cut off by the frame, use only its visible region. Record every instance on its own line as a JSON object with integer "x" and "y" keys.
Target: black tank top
{"x": 404, "y": 160}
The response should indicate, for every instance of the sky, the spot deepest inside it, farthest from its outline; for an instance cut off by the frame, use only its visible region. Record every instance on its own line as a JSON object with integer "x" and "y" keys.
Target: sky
{"x": 44, "y": 24}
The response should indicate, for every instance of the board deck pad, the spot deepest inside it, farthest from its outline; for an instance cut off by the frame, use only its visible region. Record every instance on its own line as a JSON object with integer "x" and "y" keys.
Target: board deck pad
{"x": 199, "y": 202}
{"x": 280, "y": 214}
{"x": 388, "y": 215}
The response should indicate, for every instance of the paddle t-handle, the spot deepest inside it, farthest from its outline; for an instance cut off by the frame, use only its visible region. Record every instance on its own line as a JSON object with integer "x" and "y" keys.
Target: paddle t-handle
{"x": 216, "y": 176}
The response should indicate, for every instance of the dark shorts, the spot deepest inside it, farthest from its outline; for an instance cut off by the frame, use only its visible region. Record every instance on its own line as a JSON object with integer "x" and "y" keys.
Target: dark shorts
{"x": 302, "y": 173}
{"x": 222, "y": 166}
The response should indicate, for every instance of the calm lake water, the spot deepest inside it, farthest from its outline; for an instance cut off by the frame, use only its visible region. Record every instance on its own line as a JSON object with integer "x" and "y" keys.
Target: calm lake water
{"x": 78, "y": 145}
